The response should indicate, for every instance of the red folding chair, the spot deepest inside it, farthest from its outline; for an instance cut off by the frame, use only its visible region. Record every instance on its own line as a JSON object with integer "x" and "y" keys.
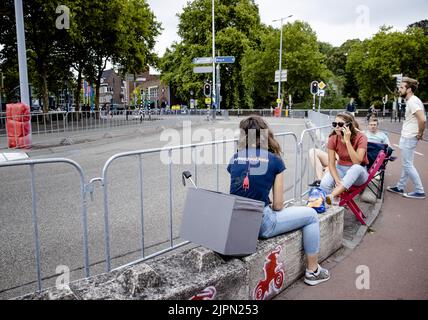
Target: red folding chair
{"x": 347, "y": 197}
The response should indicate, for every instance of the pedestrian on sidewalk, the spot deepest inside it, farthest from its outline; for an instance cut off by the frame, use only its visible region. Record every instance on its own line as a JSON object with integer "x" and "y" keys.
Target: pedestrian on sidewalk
{"x": 411, "y": 132}
{"x": 255, "y": 170}
{"x": 350, "y": 145}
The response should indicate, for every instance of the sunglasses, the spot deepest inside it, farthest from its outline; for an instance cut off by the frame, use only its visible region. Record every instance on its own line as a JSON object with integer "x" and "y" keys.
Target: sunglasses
{"x": 340, "y": 124}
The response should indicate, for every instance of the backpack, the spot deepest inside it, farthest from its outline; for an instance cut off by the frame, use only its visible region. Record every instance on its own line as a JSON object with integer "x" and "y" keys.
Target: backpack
{"x": 316, "y": 199}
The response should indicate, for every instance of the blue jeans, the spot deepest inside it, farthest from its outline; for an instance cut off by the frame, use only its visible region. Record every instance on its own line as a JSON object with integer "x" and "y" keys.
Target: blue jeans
{"x": 408, "y": 170}
{"x": 350, "y": 175}
{"x": 292, "y": 218}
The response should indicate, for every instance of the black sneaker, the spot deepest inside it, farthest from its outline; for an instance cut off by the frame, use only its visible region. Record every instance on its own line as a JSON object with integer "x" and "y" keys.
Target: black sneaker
{"x": 313, "y": 278}
{"x": 316, "y": 183}
{"x": 395, "y": 190}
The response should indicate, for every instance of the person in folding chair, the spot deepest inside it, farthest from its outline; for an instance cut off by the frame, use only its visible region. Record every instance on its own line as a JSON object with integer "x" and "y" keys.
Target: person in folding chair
{"x": 350, "y": 145}
{"x": 255, "y": 170}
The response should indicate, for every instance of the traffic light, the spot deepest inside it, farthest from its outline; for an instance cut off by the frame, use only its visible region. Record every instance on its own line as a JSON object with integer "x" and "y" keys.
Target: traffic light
{"x": 314, "y": 87}
{"x": 207, "y": 90}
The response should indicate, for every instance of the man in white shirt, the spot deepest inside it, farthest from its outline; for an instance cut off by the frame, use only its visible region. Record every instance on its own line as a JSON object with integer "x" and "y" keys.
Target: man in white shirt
{"x": 411, "y": 133}
{"x": 374, "y": 134}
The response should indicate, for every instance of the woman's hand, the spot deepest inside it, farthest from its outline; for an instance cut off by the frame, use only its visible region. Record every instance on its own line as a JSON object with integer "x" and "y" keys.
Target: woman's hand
{"x": 346, "y": 134}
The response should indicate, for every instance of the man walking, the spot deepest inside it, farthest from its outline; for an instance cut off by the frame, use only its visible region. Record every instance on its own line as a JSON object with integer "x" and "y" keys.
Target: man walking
{"x": 411, "y": 133}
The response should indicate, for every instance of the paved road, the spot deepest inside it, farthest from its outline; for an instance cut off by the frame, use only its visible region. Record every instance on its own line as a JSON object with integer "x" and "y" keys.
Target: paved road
{"x": 394, "y": 254}
{"x": 59, "y": 210}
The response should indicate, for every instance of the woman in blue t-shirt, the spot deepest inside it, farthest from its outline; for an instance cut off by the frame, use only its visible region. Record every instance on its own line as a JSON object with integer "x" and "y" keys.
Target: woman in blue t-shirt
{"x": 255, "y": 170}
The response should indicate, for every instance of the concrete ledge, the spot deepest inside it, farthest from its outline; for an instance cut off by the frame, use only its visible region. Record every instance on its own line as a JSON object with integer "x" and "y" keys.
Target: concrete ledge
{"x": 201, "y": 274}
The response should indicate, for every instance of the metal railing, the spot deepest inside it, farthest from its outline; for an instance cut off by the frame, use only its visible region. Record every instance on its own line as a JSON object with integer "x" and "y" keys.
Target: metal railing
{"x": 105, "y": 182}
{"x": 59, "y": 123}
{"x": 298, "y": 192}
{"x": 83, "y": 192}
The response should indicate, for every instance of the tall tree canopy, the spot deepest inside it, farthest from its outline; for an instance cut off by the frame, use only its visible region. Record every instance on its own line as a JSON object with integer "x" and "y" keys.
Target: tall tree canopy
{"x": 374, "y": 61}
{"x": 122, "y": 32}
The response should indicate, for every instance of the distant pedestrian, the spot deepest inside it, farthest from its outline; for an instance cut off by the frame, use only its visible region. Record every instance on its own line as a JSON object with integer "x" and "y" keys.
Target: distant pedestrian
{"x": 372, "y": 112}
{"x": 411, "y": 132}
{"x": 351, "y": 107}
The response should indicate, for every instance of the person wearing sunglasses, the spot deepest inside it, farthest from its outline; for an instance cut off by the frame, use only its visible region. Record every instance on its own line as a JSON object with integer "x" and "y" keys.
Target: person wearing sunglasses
{"x": 350, "y": 145}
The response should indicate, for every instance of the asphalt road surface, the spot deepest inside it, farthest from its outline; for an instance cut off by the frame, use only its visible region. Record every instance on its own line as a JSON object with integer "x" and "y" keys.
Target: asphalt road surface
{"x": 59, "y": 206}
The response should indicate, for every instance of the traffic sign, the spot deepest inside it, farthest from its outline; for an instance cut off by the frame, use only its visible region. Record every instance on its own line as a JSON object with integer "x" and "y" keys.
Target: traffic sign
{"x": 283, "y": 75}
{"x": 225, "y": 59}
{"x": 207, "y": 100}
{"x": 321, "y": 93}
{"x": 203, "y": 69}
{"x": 321, "y": 85}
{"x": 202, "y": 60}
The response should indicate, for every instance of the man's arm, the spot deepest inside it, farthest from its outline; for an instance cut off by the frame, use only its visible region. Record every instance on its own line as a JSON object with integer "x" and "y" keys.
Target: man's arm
{"x": 420, "y": 116}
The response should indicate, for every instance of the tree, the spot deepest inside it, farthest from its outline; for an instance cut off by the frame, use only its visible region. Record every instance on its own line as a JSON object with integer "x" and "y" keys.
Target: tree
{"x": 236, "y": 25}
{"x": 374, "y": 61}
{"x": 423, "y": 24}
{"x": 301, "y": 57}
{"x": 43, "y": 40}
{"x": 122, "y": 32}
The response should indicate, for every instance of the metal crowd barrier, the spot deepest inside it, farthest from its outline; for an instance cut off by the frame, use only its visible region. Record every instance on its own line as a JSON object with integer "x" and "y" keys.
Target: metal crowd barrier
{"x": 60, "y": 122}
{"x": 315, "y": 135}
{"x": 105, "y": 182}
{"x": 83, "y": 191}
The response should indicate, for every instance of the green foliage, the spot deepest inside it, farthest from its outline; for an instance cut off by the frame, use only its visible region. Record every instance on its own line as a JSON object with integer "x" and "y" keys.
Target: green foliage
{"x": 374, "y": 61}
{"x": 122, "y": 32}
{"x": 301, "y": 57}
{"x": 236, "y": 24}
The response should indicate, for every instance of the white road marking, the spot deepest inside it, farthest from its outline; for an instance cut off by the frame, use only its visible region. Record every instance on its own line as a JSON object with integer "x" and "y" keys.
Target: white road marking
{"x": 418, "y": 153}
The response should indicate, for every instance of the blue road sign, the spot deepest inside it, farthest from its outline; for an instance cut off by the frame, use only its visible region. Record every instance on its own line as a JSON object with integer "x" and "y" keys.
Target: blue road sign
{"x": 225, "y": 59}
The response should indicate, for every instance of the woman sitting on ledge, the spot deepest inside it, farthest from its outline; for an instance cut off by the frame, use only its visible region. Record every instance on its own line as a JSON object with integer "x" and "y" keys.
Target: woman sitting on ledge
{"x": 255, "y": 170}
{"x": 350, "y": 145}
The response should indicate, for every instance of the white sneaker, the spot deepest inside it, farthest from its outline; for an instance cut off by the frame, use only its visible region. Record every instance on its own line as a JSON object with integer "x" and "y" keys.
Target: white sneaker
{"x": 313, "y": 278}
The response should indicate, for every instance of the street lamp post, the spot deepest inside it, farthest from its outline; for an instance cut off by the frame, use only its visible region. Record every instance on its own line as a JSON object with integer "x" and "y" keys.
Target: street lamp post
{"x": 22, "y": 57}
{"x": 280, "y": 59}
{"x": 213, "y": 101}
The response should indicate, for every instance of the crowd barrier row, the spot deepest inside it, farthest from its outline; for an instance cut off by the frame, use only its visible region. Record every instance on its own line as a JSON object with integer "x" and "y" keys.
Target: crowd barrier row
{"x": 309, "y": 138}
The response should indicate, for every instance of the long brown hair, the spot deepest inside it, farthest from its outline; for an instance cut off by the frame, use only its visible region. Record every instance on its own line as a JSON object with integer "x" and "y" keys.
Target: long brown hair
{"x": 348, "y": 118}
{"x": 258, "y": 124}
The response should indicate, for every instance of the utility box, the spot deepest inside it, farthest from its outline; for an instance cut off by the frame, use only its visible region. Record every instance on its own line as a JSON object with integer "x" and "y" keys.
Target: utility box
{"x": 224, "y": 223}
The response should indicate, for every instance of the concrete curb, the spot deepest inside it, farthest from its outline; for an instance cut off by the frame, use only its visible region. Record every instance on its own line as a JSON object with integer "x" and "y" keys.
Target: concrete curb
{"x": 201, "y": 274}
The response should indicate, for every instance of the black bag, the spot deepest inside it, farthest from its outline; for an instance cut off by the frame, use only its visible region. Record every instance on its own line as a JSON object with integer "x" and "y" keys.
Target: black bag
{"x": 373, "y": 150}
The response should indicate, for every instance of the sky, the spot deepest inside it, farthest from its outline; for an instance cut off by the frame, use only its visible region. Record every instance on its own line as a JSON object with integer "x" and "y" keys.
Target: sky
{"x": 334, "y": 21}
